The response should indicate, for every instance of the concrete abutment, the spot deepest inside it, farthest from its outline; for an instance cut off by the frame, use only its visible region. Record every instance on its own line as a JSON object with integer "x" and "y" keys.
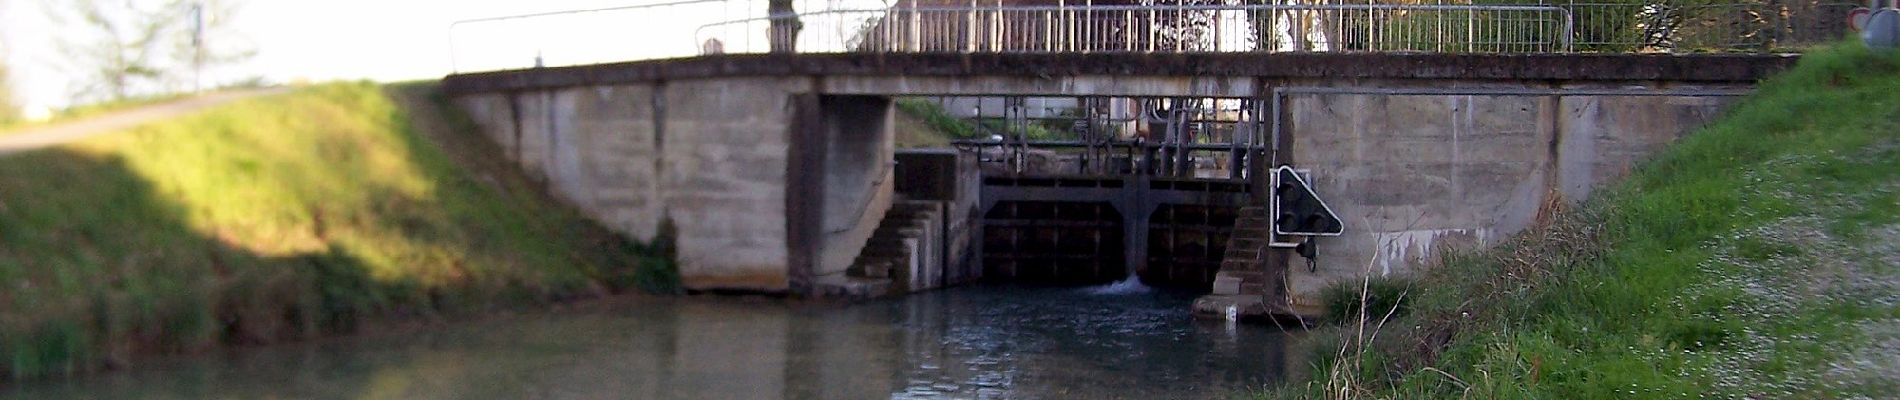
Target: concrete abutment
{"x": 777, "y": 181}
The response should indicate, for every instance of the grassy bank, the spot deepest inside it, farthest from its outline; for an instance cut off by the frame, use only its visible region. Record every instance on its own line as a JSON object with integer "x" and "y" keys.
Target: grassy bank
{"x": 1754, "y": 259}
{"x": 923, "y": 123}
{"x": 275, "y": 219}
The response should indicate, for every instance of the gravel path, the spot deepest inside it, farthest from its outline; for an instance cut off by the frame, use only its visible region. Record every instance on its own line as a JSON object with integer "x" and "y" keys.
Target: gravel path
{"x": 62, "y": 133}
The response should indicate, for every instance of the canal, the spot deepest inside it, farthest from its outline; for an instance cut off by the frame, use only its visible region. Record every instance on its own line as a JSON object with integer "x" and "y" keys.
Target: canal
{"x": 970, "y": 342}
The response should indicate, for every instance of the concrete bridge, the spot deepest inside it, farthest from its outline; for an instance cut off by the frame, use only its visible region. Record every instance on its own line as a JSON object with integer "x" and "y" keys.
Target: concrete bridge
{"x": 777, "y": 172}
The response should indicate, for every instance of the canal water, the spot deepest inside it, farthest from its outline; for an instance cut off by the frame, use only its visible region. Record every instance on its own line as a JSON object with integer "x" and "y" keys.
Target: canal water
{"x": 973, "y": 342}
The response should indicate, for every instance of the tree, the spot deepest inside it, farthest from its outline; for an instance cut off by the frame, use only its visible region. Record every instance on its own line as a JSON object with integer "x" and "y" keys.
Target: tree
{"x": 126, "y": 48}
{"x": 9, "y": 111}
{"x": 211, "y": 40}
{"x": 116, "y": 45}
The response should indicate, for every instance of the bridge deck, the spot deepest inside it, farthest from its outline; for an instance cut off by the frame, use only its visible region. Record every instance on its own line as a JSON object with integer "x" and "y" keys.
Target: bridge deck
{"x": 1701, "y": 68}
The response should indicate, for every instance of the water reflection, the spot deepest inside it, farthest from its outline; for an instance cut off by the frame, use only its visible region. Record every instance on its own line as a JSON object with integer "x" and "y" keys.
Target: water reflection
{"x": 982, "y": 342}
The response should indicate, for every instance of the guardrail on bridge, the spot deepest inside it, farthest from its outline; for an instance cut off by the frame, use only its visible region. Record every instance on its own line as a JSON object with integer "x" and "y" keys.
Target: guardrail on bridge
{"x": 699, "y": 27}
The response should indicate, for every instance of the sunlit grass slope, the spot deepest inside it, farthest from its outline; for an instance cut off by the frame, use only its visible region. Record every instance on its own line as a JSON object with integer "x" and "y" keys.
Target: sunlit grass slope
{"x": 277, "y": 218}
{"x": 1754, "y": 259}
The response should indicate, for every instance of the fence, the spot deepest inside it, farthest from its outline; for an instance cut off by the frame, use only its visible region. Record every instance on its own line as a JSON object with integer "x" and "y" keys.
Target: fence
{"x": 1677, "y": 27}
{"x": 1181, "y": 28}
{"x": 661, "y": 30}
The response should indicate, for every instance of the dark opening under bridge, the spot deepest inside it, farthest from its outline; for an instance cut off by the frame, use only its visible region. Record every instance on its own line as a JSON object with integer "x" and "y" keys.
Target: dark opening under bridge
{"x": 778, "y": 172}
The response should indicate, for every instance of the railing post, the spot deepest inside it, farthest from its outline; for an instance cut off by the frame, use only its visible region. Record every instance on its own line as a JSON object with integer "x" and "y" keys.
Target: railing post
{"x": 1298, "y": 18}
{"x": 1570, "y": 21}
{"x": 914, "y": 41}
{"x": 1217, "y": 24}
{"x": 969, "y": 31}
{"x": 1128, "y": 31}
{"x": 1049, "y": 33}
{"x": 1152, "y": 36}
{"x": 1471, "y": 31}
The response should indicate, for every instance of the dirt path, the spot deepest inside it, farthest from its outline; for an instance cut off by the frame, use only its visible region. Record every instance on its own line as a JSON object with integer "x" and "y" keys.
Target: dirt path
{"x": 57, "y": 134}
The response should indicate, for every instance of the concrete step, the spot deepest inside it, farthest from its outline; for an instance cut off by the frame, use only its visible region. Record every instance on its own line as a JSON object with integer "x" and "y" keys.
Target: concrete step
{"x": 880, "y": 258}
{"x": 847, "y": 287}
{"x": 1230, "y": 306}
{"x": 897, "y": 222}
{"x": 1253, "y": 288}
{"x": 1242, "y": 253}
{"x": 1241, "y": 274}
{"x": 911, "y": 209}
{"x": 888, "y": 248}
{"x": 898, "y": 232}
{"x": 885, "y": 251}
{"x": 870, "y": 269}
{"x": 1226, "y": 285}
{"x": 903, "y": 216}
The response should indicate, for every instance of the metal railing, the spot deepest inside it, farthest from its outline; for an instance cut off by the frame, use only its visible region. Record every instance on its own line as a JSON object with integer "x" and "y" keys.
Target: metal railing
{"x": 1721, "y": 27}
{"x": 584, "y": 36}
{"x": 742, "y": 26}
{"x": 1179, "y": 28}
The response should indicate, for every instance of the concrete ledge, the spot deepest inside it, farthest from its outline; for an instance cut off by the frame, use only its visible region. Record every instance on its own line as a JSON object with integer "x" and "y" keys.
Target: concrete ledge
{"x": 1557, "y": 68}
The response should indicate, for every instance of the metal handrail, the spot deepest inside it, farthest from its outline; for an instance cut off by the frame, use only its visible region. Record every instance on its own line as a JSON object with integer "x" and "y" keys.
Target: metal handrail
{"x": 452, "y": 25}
{"x": 457, "y": 24}
{"x": 1552, "y": 26}
{"x": 1564, "y": 34}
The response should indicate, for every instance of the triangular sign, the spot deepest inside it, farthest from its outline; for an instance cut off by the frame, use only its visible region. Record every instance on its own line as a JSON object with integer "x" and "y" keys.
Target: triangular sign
{"x": 1298, "y": 210}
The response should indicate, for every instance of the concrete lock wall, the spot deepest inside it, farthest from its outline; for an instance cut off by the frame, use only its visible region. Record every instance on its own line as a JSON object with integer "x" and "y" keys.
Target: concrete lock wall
{"x": 858, "y": 176}
{"x": 710, "y": 155}
{"x": 759, "y": 171}
{"x": 1412, "y": 176}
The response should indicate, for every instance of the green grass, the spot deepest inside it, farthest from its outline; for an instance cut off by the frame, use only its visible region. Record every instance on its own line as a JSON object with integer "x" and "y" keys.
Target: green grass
{"x": 275, "y": 219}
{"x": 949, "y": 126}
{"x": 937, "y": 119}
{"x": 1753, "y": 259}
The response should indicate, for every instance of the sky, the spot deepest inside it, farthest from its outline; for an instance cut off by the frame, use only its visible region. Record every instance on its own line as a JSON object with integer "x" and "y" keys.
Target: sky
{"x": 396, "y": 40}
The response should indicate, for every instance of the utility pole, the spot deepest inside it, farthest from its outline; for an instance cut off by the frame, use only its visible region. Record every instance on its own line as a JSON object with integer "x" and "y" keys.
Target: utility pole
{"x": 197, "y": 46}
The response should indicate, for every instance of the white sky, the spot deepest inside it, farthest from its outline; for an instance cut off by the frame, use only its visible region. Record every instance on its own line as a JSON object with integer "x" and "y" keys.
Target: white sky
{"x": 392, "y": 40}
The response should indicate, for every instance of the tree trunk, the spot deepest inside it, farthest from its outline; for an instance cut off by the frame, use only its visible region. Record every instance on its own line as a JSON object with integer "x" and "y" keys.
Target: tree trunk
{"x": 785, "y": 26}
